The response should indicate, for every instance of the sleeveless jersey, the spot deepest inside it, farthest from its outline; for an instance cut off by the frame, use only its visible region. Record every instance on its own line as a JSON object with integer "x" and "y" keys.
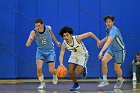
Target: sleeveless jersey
{"x": 76, "y": 48}
{"x": 44, "y": 41}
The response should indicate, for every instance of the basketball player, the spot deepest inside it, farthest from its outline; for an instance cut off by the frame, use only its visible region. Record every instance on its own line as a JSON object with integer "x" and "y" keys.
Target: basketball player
{"x": 45, "y": 49}
{"x": 115, "y": 50}
{"x": 79, "y": 54}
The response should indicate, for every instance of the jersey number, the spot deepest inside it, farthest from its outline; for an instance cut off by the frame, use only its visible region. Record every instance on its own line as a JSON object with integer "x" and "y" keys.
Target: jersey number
{"x": 44, "y": 41}
{"x": 74, "y": 49}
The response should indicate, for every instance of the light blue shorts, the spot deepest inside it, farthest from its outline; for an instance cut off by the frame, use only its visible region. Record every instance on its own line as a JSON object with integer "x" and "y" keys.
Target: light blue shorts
{"x": 46, "y": 55}
{"x": 118, "y": 56}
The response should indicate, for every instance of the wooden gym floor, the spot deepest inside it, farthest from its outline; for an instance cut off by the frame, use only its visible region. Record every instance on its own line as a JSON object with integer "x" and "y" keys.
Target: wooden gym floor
{"x": 63, "y": 86}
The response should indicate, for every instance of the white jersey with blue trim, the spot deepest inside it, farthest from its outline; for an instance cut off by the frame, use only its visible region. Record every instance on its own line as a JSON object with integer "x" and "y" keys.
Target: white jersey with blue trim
{"x": 76, "y": 48}
{"x": 44, "y": 40}
{"x": 117, "y": 43}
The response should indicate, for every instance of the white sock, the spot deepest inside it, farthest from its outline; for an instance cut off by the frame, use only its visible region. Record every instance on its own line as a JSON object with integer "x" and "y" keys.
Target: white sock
{"x": 104, "y": 77}
{"x": 54, "y": 76}
{"x": 134, "y": 75}
{"x": 41, "y": 78}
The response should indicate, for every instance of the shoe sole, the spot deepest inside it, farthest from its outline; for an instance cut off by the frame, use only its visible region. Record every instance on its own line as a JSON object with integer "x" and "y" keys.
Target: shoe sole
{"x": 55, "y": 83}
{"x": 75, "y": 89}
{"x": 103, "y": 85}
{"x": 41, "y": 88}
{"x": 119, "y": 87}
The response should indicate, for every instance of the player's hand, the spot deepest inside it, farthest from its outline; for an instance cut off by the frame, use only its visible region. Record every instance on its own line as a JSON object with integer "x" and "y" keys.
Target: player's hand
{"x": 58, "y": 44}
{"x": 100, "y": 55}
{"x": 61, "y": 64}
{"x": 28, "y": 44}
{"x": 99, "y": 44}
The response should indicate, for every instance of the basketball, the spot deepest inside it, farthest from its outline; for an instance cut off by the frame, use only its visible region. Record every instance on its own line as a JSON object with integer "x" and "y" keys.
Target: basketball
{"x": 61, "y": 71}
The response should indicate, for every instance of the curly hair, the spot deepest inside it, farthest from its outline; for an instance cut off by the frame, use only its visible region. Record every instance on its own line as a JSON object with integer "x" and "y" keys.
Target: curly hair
{"x": 65, "y": 29}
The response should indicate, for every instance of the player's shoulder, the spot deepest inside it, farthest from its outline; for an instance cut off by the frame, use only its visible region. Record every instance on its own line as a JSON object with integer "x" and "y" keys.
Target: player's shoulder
{"x": 33, "y": 31}
{"x": 48, "y": 26}
{"x": 114, "y": 29}
{"x": 75, "y": 36}
{"x": 64, "y": 43}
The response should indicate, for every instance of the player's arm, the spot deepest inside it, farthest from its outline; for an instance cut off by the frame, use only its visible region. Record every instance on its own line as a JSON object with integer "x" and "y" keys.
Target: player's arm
{"x": 85, "y": 35}
{"x": 107, "y": 43}
{"x": 31, "y": 38}
{"x": 110, "y": 38}
{"x": 53, "y": 37}
{"x": 102, "y": 42}
{"x": 62, "y": 51}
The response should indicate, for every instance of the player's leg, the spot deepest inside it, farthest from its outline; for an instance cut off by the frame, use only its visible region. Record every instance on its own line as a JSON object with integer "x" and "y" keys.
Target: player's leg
{"x": 85, "y": 72}
{"x": 119, "y": 58}
{"x": 106, "y": 58}
{"x": 118, "y": 69}
{"x": 51, "y": 63}
{"x": 71, "y": 69}
{"x": 119, "y": 73}
{"x": 52, "y": 70}
{"x": 39, "y": 64}
{"x": 40, "y": 75}
{"x": 134, "y": 69}
{"x": 81, "y": 68}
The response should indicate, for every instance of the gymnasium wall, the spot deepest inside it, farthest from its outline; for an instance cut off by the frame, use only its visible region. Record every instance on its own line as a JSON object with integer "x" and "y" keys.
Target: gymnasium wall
{"x": 17, "y": 20}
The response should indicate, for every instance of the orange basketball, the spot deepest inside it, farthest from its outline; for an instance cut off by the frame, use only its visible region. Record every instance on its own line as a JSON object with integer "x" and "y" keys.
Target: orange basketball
{"x": 61, "y": 71}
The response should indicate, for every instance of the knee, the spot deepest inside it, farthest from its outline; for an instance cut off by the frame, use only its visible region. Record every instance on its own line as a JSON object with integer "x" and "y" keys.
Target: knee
{"x": 39, "y": 68}
{"x": 78, "y": 72}
{"x": 104, "y": 63}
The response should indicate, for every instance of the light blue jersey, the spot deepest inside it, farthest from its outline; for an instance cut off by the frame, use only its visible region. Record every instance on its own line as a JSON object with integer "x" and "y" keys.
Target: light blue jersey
{"x": 44, "y": 41}
{"x": 45, "y": 46}
{"x": 117, "y": 43}
{"x": 117, "y": 47}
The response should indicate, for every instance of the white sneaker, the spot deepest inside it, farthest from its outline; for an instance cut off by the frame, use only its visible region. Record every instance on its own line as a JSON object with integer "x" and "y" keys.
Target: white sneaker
{"x": 42, "y": 86}
{"x": 103, "y": 83}
{"x": 119, "y": 83}
{"x": 41, "y": 91}
{"x": 55, "y": 79}
{"x": 134, "y": 84}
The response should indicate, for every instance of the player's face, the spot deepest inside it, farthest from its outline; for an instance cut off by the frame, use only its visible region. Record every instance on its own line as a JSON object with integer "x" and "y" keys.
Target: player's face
{"x": 138, "y": 58}
{"x": 67, "y": 37}
{"x": 39, "y": 27}
{"x": 109, "y": 23}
